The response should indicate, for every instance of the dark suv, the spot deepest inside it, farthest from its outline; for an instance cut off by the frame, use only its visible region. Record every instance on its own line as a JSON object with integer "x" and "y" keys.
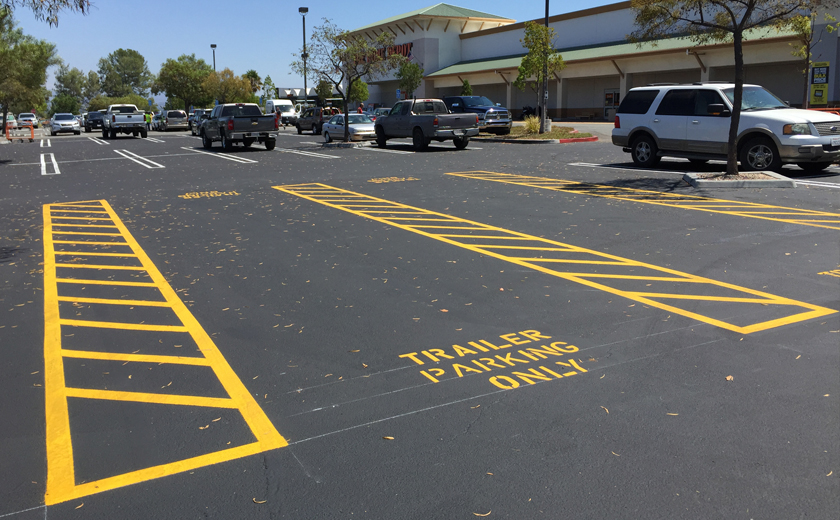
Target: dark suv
{"x": 492, "y": 117}
{"x": 93, "y": 120}
{"x": 313, "y": 118}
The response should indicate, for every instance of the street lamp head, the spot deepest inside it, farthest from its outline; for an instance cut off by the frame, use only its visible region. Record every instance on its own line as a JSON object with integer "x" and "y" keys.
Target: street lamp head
{"x": 303, "y": 10}
{"x": 212, "y": 45}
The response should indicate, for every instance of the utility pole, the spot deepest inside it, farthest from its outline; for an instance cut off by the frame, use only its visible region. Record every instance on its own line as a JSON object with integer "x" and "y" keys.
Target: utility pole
{"x": 545, "y": 121}
{"x": 303, "y": 11}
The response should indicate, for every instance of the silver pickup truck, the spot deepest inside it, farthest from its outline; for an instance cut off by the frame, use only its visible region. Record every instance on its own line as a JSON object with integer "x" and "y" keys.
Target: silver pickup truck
{"x": 239, "y": 123}
{"x": 425, "y": 120}
{"x": 123, "y": 119}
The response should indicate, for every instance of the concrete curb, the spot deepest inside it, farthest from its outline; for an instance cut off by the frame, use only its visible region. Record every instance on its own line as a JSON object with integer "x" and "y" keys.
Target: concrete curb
{"x": 536, "y": 141}
{"x": 342, "y": 144}
{"x": 778, "y": 181}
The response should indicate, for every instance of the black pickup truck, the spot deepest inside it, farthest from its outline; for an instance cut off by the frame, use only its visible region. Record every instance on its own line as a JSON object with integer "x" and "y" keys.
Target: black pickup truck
{"x": 239, "y": 123}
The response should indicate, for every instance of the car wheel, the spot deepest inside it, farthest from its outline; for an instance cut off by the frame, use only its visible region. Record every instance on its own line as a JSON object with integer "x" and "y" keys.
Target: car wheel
{"x": 227, "y": 145}
{"x": 87, "y": 129}
{"x": 317, "y": 129}
{"x": 759, "y": 153}
{"x": 298, "y": 129}
{"x": 644, "y": 152}
{"x": 327, "y": 138}
{"x": 814, "y": 167}
{"x": 506, "y": 131}
{"x": 206, "y": 142}
{"x": 104, "y": 134}
{"x": 461, "y": 143}
{"x": 113, "y": 134}
{"x": 419, "y": 140}
{"x": 381, "y": 140}
{"x": 144, "y": 133}
{"x": 78, "y": 132}
{"x": 270, "y": 144}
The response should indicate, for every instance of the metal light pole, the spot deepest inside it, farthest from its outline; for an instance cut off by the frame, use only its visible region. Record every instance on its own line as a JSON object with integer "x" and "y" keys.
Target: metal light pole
{"x": 213, "y": 46}
{"x": 545, "y": 123}
{"x": 303, "y": 11}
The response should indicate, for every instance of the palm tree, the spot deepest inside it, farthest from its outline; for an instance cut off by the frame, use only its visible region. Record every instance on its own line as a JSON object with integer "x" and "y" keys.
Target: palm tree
{"x": 254, "y": 78}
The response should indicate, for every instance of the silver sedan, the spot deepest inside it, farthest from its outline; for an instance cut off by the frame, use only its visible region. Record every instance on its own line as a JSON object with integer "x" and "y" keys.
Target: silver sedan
{"x": 361, "y": 128}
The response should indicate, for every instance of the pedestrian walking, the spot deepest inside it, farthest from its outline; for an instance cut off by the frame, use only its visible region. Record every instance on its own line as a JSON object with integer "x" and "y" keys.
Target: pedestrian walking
{"x": 361, "y": 108}
{"x": 148, "y": 121}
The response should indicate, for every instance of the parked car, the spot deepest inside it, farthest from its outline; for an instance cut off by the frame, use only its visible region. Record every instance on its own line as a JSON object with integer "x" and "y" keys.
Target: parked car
{"x": 692, "y": 121}
{"x": 123, "y": 119}
{"x": 361, "y": 128}
{"x": 94, "y": 120}
{"x": 196, "y": 119}
{"x": 173, "y": 120}
{"x": 313, "y": 118}
{"x": 492, "y": 117}
{"x": 239, "y": 123}
{"x": 28, "y": 118}
{"x": 64, "y": 123}
{"x": 425, "y": 120}
{"x": 157, "y": 121}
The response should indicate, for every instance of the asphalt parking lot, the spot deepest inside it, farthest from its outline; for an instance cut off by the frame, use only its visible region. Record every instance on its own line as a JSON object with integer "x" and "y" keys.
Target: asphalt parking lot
{"x": 507, "y": 331}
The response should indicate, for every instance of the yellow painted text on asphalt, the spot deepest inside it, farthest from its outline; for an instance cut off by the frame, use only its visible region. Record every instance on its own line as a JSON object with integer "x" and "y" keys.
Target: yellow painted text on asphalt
{"x": 721, "y": 304}
{"x": 87, "y": 245}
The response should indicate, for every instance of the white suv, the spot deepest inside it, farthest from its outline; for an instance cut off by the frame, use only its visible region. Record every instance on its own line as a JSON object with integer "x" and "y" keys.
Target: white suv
{"x": 692, "y": 121}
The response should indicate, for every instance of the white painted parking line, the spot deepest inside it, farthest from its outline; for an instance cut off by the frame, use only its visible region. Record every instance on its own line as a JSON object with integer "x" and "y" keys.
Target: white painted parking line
{"x": 223, "y": 155}
{"x": 98, "y": 140}
{"x": 44, "y": 165}
{"x": 152, "y": 139}
{"x": 818, "y": 184}
{"x": 370, "y": 149}
{"x": 310, "y": 154}
{"x": 628, "y": 168}
{"x": 139, "y": 160}
{"x": 45, "y": 143}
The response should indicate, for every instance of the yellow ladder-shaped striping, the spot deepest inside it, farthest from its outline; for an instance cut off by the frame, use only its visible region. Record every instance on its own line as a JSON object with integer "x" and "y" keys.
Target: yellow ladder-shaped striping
{"x": 106, "y": 228}
{"x": 803, "y": 217}
{"x": 571, "y": 262}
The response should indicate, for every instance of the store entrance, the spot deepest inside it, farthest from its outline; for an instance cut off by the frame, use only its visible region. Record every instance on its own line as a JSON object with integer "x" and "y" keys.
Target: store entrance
{"x": 612, "y": 98}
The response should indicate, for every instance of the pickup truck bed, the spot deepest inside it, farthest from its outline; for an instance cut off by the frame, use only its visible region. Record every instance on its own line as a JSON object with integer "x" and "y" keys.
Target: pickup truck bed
{"x": 239, "y": 123}
{"x": 425, "y": 120}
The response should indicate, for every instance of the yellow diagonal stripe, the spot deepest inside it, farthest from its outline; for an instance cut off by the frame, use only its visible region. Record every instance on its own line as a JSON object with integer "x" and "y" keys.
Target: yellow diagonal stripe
{"x": 61, "y": 480}
{"x": 679, "y": 302}
{"x": 673, "y": 200}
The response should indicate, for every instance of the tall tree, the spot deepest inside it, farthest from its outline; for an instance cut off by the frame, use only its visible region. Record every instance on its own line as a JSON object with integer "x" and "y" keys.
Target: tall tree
{"x": 45, "y": 10}
{"x": 184, "y": 79}
{"x": 410, "y": 76}
{"x": 706, "y": 21}
{"x": 269, "y": 88}
{"x": 254, "y": 79}
{"x": 124, "y": 72}
{"x": 100, "y": 102}
{"x": 23, "y": 66}
{"x": 466, "y": 88}
{"x": 337, "y": 56}
{"x": 64, "y": 102}
{"x": 541, "y": 62}
{"x": 70, "y": 82}
{"x": 226, "y": 87}
{"x": 324, "y": 90}
{"x": 91, "y": 88}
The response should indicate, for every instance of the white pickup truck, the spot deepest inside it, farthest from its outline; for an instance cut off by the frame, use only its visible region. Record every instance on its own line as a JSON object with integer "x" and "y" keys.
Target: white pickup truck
{"x": 123, "y": 119}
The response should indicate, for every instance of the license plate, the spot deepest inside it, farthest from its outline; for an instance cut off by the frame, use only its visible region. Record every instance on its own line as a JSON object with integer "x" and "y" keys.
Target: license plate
{"x": 459, "y": 132}
{"x": 835, "y": 141}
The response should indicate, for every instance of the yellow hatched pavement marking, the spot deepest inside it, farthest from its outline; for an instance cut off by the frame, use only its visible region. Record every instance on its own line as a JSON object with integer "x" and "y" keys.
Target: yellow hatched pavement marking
{"x": 720, "y": 291}
{"x": 674, "y": 200}
{"x": 61, "y": 479}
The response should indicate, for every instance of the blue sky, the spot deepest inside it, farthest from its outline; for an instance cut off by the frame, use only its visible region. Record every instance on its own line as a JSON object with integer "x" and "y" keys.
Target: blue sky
{"x": 259, "y": 35}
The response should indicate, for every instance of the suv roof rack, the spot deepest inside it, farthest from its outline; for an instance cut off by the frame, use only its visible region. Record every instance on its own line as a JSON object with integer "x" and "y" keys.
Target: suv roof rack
{"x": 661, "y": 84}
{"x": 711, "y": 82}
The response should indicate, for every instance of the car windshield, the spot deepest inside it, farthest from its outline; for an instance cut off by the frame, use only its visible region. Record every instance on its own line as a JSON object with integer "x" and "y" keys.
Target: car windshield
{"x": 285, "y": 108}
{"x": 755, "y": 98}
{"x": 477, "y": 101}
{"x": 124, "y": 109}
{"x": 26, "y": 116}
{"x": 94, "y": 115}
{"x": 176, "y": 114}
{"x": 64, "y": 117}
{"x": 359, "y": 119}
{"x": 10, "y": 117}
{"x": 241, "y": 110}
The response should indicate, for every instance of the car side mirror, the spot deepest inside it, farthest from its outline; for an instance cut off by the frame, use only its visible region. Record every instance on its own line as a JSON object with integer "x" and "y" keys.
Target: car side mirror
{"x": 498, "y": 104}
{"x": 718, "y": 109}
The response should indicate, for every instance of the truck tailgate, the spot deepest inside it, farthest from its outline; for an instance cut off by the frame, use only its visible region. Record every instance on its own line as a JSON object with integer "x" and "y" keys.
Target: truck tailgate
{"x": 456, "y": 121}
{"x": 253, "y": 123}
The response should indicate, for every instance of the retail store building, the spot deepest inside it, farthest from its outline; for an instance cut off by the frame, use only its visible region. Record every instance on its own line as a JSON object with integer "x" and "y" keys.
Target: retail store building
{"x": 453, "y": 44}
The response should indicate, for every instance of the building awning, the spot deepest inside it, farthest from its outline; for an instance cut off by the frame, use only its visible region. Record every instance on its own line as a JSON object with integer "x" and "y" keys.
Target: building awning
{"x": 609, "y": 51}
